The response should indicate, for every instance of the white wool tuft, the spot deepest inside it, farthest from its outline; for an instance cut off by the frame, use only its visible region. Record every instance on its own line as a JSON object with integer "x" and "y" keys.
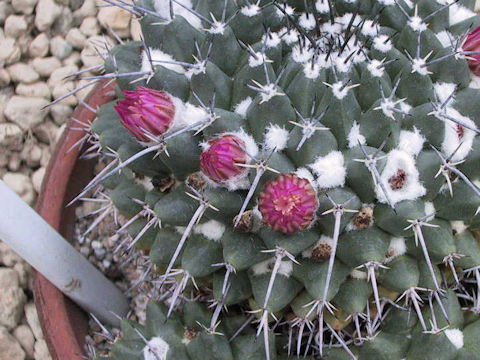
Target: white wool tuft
{"x": 157, "y": 56}
{"x": 301, "y": 54}
{"x": 332, "y": 29}
{"x": 272, "y": 40}
{"x": 417, "y": 24}
{"x": 339, "y": 90}
{"x": 257, "y": 60}
{"x": 375, "y": 67}
{"x": 250, "y": 10}
{"x": 322, "y": 6}
{"x": 458, "y": 226}
{"x": 382, "y": 43}
{"x": 459, "y": 13}
{"x": 354, "y": 136}
{"x": 419, "y": 66}
{"x": 250, "y": 144}
{"x": 411, "y": 141}
{"x": 212, "y": 230}
{"x": 370, "y": 28}
{"x": 242, "y": 107}
{"x": 412, "y": 188}
{"x": 444, "y": 91}
{"x": 455, "y": 336}
{"x": 445, "y": 37}
{"x": 180, "y": 229}
{"x": 287, "y": 8}
{"x": 452, "y": 141}
{"x": 474, "y": 81}
{"x": 303, "y": 173}
{"x": 186, "y": 114}
{"x": 156, "y": 349}
{"x": 312, "y": 72}
{"x": 429, "y": 210}
{"x": 330, "y": 170}
{"x": 406, "y": 108}
{"x": 276, "y": 138}
{"x": 307, "y": 253}
{"x": 290, "y": 36}
{"x": 307, "y": 21}
{"x": 397, "y": 247}
{"x": 162, "y": 7}
{"x": 285, "y": 269}
{"x": 358, "y": 274}
{"x": 387, "y": 2}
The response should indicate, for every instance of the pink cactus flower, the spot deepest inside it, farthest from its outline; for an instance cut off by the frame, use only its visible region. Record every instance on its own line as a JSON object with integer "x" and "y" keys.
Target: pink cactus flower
{"x": 472, "y": 43}
{"x": 220, "y": 158}
{"x": 146, "y": 111}
{"x": 288, "y": 203}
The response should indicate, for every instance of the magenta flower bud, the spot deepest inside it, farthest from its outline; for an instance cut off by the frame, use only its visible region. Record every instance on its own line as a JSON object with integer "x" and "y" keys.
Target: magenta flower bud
{"x": 220, "y": 158}
{"x": 472, "y": 43}
{"x": 288, "y": 203}
{"x": 146, "y": 111}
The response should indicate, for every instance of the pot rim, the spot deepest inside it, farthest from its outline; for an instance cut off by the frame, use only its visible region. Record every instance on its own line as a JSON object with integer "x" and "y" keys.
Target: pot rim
{"x": 63, "y": 323}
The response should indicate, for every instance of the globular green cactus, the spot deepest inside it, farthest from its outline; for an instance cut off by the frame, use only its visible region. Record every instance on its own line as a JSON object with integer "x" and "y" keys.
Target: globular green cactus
{"x": 310, "y": 166}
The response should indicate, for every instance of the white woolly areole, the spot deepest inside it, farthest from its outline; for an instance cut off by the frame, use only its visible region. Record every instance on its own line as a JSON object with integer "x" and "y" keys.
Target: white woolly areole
{"x": 250, "y": 10}
{"x": 287, "y": 8}
{"x": 276, "y": 138}
{"x": 272, "y": 40}
{"x": 156, "y": 349}
{"x": 387, "y": 2}
{"x": 452, "y": 141}
{"x": 397, "y": 247}
{"x": 340, "y": 90}
{"x": 242, "y": 107}
{"x": 312, "y": 71}
{"x": 180, "y": 229}
{"x": 304, "y": 173}
{"x": 429, "y": 210}
{"x": 186, "y": 114}
{"x": 330, "y": 170}
{"x": 444, "y": 91}
{"x": 250, "y": 144}
{"x": 162, "y": 7}
{"x": 419, "y": 66}
{"x": 290, "y": 36}
{"x": 445, "y": 38}
{"x": 458, "y": 226}
{"x": 375, "y": 67}
{"x": 474, "y": 81}
{"x": 324, "y": 240}
{"x": 370, "y": 28}
{"x": 332, "y": 29}
{"x": 322, "y": 6}
{"x": 257, "y": 60}
{"x": 157, "y": 57}
{"x": 146, "y": 182}
{"x": 358, "y": 274}
{"x": 307, "y": 21}
{"x": 411, "y": 141}
{"x": 412, "y": 188}
{"x": 417, "y": 24}
{"x": 354, "y": 137}
{"x": 382, "y": 43}
{"x": 455, "y": 336}
{"x": 459, "y": 13}
{"x": 301, "y": 54}
{"x": 285, "y": 269}
{"x": 212, "y": 230}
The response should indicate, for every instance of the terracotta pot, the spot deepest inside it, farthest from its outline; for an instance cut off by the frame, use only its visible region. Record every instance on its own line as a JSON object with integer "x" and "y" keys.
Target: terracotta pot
{"x": 64, "y": 324}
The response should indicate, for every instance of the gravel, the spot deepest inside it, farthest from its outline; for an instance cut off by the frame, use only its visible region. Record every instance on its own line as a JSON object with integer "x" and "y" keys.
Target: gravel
{"x": 41, "y": 42}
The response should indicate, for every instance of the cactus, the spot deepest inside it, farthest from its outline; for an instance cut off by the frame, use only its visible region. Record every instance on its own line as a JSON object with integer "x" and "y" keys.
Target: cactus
{"x": 310, "y": 166}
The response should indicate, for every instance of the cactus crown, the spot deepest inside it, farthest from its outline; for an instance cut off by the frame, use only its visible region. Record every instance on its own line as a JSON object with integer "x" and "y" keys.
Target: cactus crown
{"x": 309, "y": 165}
